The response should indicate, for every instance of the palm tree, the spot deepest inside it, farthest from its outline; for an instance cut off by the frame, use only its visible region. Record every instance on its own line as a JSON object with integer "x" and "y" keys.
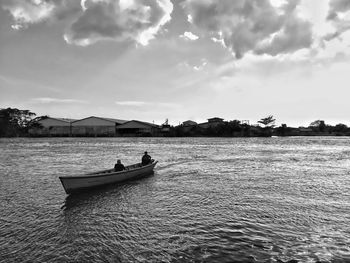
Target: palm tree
{"x": 269, "y": 123}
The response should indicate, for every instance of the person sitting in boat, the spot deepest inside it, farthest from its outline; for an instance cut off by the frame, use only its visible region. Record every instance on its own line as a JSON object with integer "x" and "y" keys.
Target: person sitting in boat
{"x": 146, "y": 159}
{"x": 119, "y": 166}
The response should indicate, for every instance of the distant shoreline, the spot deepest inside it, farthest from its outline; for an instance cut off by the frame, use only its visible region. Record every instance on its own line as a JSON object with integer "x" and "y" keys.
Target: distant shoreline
{"x": 23, "y": 123}
{"x": 272, "y": 136}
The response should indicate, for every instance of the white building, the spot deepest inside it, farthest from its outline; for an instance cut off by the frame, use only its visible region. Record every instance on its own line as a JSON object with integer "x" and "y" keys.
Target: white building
{"x": 96, "y": 126}
{"x": 52, "y": 127}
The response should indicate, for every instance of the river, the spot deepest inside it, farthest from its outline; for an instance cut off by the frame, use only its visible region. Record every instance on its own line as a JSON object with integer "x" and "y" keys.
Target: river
{"x": 209, "y": 200}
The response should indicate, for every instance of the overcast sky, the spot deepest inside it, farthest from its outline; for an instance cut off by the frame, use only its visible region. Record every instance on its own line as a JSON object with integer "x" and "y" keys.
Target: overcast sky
{"x": 191, "y": 59}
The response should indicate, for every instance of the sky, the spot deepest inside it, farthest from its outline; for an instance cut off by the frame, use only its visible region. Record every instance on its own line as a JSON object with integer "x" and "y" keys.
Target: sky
{"x": 153, "y": 60}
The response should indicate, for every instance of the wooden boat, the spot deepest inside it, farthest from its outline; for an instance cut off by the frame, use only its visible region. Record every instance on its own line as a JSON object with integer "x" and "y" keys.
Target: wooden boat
{"x": 82, "y": 182}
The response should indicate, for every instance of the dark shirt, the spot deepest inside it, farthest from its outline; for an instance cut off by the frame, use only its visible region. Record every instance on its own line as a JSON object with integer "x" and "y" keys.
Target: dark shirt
{"x": 146, "y": 159}
{"x": 119, "y": 167}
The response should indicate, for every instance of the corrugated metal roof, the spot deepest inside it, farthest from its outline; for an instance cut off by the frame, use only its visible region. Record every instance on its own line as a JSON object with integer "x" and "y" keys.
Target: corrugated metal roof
{"x": 189, "y": 123}
{"x": 215, "y": 118}
{"x": 115, "y": 120}
{"x": 64, "y": 119}
{"x": 59, "y": 119}
{"x": 106, "y": 119}
{"x": 141, "y": 122}
{"x": 148, "y": 123}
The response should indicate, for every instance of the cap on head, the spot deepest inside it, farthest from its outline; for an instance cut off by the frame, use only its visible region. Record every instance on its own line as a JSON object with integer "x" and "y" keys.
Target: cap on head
{"x": 146, "y": 152}
{"x": 118, "y": 161}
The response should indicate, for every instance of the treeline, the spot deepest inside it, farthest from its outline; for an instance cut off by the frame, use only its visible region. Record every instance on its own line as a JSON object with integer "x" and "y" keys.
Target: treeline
{"x": 226, "y": 129}
{"x": 266, "y": 128}
{"x": 234, "y": 128}
{"x": 316, "y": 128}
{"x": 17, "y": 123}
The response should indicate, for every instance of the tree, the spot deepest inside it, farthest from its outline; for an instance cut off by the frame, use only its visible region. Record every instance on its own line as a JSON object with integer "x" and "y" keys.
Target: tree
{"x": 318, "y": 125}
{"x": 14, "y": 122}
{"x": 34, "y": 123}
{"x": 268, "y": 122}
{"x": 340, "y": 128}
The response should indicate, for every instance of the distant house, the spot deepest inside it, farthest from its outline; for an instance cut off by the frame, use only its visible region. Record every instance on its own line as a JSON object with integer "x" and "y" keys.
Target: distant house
{"x": 96, "y": 126}
{"x": 138, "y": 128}
{"x": 189, "y": 123}
{"x": 52, "y": 127}
{"x": 165, "y": 129}
{"x": 215, "y": 120}
{"x": 212, "y": 122}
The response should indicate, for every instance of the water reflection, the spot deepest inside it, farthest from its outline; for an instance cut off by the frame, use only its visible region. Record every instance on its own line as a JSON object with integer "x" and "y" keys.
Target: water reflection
{"x": 90, "y": 197}
{"x": 98, "y": 196}
{"x": 211, "y": 200}
{"x": 106, "y": 218}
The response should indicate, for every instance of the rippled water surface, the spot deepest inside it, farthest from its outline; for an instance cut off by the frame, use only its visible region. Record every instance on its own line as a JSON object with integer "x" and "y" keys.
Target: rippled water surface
{"x": 209, "y": 200}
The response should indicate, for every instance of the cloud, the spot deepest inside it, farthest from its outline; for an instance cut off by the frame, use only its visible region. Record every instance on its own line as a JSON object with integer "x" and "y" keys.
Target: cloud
{"x": 338, "y": 15}
{"x": 25, "y": 12}
{"x": 189, "y": 36}
{"x": 295, "y": 35}
{"x": 93, "y": 20}
{"x": 200, "y": 66}
{"x": 337, "y": 6}
{"x": 251, "y": 25}
{"x": 123, "y": 20}
{"x": 147, "y": 104}
{"x": 193, "y": 65}
{"x": 131, "y": 103}
{"x": 55, "y": 100}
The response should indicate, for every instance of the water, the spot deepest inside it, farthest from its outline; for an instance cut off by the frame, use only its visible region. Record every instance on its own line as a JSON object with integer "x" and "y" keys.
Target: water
{"x": 209, "y": 200}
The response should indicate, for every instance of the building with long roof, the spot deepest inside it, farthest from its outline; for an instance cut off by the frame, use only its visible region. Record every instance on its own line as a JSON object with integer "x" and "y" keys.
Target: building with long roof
{"x": 96, "y": 126}
{"x": 49, "y": 126}
{"x": 212, "y": 122}
{"x": 138, "y": 128}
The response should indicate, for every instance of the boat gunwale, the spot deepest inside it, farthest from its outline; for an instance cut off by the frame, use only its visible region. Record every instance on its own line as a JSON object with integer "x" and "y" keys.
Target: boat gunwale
{"x": 84, "y": 176}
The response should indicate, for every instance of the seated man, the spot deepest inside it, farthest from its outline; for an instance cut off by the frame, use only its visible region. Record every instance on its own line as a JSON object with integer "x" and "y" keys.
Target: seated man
{"x": 146, "y": 159}
{"x": 119, "y": 166}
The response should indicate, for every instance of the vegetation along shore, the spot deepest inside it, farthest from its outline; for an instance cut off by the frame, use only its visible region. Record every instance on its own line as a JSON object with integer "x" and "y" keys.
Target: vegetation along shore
{"x": 24, "y": 123}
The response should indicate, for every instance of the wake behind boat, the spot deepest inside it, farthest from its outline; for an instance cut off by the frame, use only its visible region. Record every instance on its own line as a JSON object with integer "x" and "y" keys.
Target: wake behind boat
{"x": 77, "y": 183}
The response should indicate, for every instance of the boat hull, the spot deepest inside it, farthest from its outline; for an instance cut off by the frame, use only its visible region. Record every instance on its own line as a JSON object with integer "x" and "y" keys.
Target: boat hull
{"x": 73, "y": 184}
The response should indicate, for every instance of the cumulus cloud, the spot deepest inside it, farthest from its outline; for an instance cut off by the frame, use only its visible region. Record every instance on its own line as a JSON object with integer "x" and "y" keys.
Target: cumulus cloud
{"x": 120, "y": 20}
{"x": 338, "y": 15}
{"x": 251, "y": 25}
{"x": 189, "y": 36}
{"x": 25, "y": 12}
{"x": 336, "y": 7}
{"x": 94, "y": 20}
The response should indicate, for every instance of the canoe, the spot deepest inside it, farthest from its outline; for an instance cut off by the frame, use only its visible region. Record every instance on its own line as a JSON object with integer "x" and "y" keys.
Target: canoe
{"x": 77, "y": 183}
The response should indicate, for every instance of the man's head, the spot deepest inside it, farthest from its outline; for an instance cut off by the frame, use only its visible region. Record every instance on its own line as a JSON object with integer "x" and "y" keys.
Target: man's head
{"x": 118, "y": 161}
{"x": 146, "y": 153}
